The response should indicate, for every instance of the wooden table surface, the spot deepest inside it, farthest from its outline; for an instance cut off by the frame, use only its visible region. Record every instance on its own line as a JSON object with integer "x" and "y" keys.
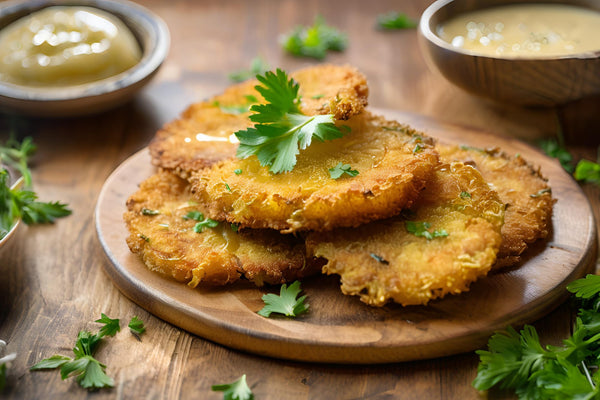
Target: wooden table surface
{"x": 52, "y": 283}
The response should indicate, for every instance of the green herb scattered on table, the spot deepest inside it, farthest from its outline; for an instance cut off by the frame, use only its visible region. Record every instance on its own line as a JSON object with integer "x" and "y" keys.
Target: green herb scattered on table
{"x": 281, "y": 129}
{"x": 286, "y": 303}
{"x": 237, "y": 390}
{"x": 341, "y": 169}
{"x": 395, "y": 20}
{"x": 136, "y": 326}
{"x": 258, "y": 66}
{"x": 517, "y": 360}
{"x": 314, "y": 41}
{"x": 88, "y": 371}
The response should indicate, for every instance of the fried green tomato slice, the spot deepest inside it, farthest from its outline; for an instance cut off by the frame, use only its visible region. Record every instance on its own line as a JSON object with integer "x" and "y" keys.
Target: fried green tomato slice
{"x": 393, "y": 163}
{"x": 521, "y": 187}
{"x": 172, "y": 238}
{"x": 448, "y": 240}
{"x": 203, "y": 135}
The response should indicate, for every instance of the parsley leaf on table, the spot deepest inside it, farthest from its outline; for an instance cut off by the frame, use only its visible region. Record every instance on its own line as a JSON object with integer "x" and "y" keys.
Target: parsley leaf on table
{"x": 282, "y": 130}
{"x": 587, "y": 171}
{"x": 286, "y": 303}
{"x": 88, "y": 371}
{"x": 237, "y": 390}
{"x": 553, "y": 149}
{"x": 136, "y": 326}
{"x": 341, "y": 169}
{"x": 111, "y": 326}
{"x": 258, "y": 66}
{"x": 516, "y": 360}
{"x": 395, "y": 20}
{"x": 421, "y": 229}
{"x": 314, "y": 41}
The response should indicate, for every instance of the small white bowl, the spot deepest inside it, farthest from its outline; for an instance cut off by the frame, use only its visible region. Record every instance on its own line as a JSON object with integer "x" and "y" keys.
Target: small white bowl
{"x": 151, "y": 33}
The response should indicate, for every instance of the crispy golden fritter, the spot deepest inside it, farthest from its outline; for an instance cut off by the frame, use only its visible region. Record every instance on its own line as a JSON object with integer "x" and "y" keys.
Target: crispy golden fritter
{"x": 393, "y": 162}
{"x": 167, "y": 242}
{"x": 202, "y": 135}
{"x": 521, "y": 187}
{"x": 383, "y": 261}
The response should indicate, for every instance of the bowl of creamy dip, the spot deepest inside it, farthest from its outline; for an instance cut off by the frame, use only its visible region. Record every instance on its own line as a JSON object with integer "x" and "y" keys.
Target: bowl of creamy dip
{"x": 534, "y": 53}
{"x": 68, "y": 58}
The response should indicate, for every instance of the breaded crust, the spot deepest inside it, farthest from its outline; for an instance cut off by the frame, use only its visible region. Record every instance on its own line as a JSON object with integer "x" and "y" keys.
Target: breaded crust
{"x": 521, "y": 187}
{"x": 168, "y": 244}
{"x": 393, "y": 161}
{"x": 383, "y": 261}
{"x": 201, "y": 136}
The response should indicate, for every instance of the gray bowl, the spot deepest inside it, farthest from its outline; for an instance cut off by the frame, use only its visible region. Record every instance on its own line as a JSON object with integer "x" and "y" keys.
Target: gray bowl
{"x": 151, "y": 33}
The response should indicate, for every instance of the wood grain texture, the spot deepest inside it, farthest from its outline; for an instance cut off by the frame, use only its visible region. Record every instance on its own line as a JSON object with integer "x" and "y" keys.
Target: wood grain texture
{"x": 52, "y": 282}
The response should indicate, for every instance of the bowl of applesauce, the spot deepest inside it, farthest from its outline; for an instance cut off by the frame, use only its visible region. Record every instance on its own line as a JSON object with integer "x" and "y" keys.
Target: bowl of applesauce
{"x": 533, "y": 53}
{"x": 69, "y": 58}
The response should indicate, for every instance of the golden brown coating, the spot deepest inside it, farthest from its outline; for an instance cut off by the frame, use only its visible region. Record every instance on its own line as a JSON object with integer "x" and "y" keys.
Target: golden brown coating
{"x": 383, "y": 261}
{"x": 521, "y": 187}
{"x": 202, "y": 135}
{"x": 393, "y": 162}
{"x": 168, "y": 244}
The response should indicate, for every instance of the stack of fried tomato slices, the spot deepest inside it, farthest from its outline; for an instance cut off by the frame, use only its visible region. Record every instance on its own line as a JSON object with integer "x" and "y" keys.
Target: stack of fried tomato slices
{"x": 284, "y": 177}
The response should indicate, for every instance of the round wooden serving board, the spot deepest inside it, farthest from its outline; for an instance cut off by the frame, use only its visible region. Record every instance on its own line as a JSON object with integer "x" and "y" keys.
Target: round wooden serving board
{"x": 341, "y": 329}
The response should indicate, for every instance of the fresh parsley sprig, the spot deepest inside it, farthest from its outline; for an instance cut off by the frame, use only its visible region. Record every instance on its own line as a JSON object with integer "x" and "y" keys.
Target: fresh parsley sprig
{"x": 281, "y": 129}
{"x": 237, "y": 390}
{"x": 517, "y": 360}
{"x": 421, "y": 229}
{"x": 286, "y": 303}
{"x": 314, "y": 41}
{"x": 88, "y": 371}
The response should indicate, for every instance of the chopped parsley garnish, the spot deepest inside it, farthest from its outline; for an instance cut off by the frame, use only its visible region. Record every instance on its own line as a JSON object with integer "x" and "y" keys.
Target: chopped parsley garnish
{"x": 227, "y": 187}
{"x": 418, "y": 148}
{"x": 237, "y": 171}
{"x": 147, "y": 211}
{"x": 379, "y": 259}
{"x": 541, "y": 192}
{"x": 237, "y": 390}
{"x": 395, "y": 20}
{"x": 421, "y": 229}
{"x": 88, "y": 371}
{"x": 314, "y": 41}
{"x": 317, "y": 96}
{"x": 136, "y": 326}
{"x": 518, "y": 361}
{"x": 202, "y": 222}
{"x": 341, "y": 169}
{"x": 281, "y": 129}
{"x": 235, "y": 227}
{"x": 258, "y": 66}
{"x": 144, "y": 237}
{"x": 465, "y": 195}
{"x": 286, "y": 303}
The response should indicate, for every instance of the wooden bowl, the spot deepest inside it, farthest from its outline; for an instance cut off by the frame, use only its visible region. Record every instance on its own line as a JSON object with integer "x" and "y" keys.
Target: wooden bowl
{"x": 151, "y": 33}
{"x": 541, "y": 81}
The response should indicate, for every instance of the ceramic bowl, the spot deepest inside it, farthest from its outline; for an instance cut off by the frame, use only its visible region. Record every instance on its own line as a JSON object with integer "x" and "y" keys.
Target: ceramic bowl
{"x": 542, "y": 81}
{"x": 151, "y": 33}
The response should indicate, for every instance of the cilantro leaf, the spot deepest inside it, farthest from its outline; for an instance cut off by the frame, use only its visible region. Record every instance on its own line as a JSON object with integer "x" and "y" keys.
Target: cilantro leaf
{"x": 136, "y": 326}
{"x": 16, "y": 155}
{"x": 421, "y": 229}
{"x": 207, "y": 223}
{"x": 286, "y": 303}
{"x": 465, "y": 195}
{"x": 395, "y": 20}
{"x": 88, "y": 371}
{"x": 341, "y": 169}
{"x": 258, "y": 66}
{"x": 111, "y": 326}
{"x": 586, "y": 287}
{"x": 195, "y": 215}
{"x": 314, "y": 41}
{"x": 237, "y": 390}
{"x": 282, "y": 130}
